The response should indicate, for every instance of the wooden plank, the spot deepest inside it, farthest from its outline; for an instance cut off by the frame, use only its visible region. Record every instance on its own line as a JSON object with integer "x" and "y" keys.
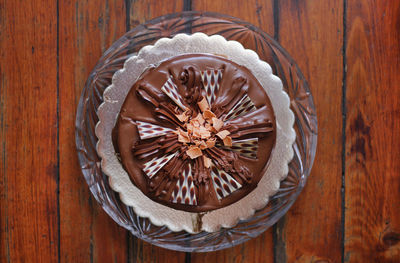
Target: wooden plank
{"x": 257, "y": 12}
{"x": 260, "y": 14}
{"x": 259, "y": 249}
{"x": 141, "y": 11}
{"x": 28, "y": 158}
{"x": 372, "y": 232}
{"x": 141, "y": 251}
{"x": 86, "y": 30}
{"x": 312, "y": 32}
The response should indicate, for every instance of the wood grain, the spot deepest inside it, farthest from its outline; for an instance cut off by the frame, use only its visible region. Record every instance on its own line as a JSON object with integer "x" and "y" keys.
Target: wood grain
{"x": 48, "y": 48}
{"x": 140, "y": 12}
{"x": 372, "y": 232}
{"x": 141, "y": 251}
{"x": 312, "y": 32}
{"x": 260, "y": 14}
{"x": 28, "y": 161}
{"x": 259, "y": 249}
{"x": 86, "y": 30}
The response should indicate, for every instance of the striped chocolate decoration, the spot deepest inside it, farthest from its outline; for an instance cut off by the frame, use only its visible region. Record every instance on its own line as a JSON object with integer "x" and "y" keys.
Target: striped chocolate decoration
{"x": 184, "y": 191}
{"x": 171, "y": 90}
{"x": 153, "y": 166}
{"x": 244, "y": 106}
{"x": 211, "y": 81}
{"x": 149, "y": 130}
{"x": 223, "y": 183}
{"x": 247, "y": 147}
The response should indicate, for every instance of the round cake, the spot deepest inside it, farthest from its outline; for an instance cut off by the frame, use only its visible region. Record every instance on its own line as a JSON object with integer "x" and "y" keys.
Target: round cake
{"x": 195, "y": 132}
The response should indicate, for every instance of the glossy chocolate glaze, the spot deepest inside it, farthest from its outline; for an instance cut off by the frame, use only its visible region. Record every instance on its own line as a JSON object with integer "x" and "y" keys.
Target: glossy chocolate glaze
{"x": 146, "y": 102}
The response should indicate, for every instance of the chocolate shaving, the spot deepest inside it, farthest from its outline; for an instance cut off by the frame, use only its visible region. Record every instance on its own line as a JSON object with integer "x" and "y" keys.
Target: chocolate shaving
{"x": 217, "y": 124}
{"x": 193, "y": 152}
{"x": 207, "y": 161}
{"x": 227, "y": 141}
{"x": 223, "y": 134}
{"x": 208, "y": 115}
{"x": 203, "y": 105}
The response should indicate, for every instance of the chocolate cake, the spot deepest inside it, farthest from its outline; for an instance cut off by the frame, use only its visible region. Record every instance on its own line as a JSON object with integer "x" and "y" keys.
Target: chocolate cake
{"x": 195, "y": 132}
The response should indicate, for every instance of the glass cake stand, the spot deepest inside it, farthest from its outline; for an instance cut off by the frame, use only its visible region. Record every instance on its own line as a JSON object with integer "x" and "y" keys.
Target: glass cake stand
{"x": 232, "y": 29}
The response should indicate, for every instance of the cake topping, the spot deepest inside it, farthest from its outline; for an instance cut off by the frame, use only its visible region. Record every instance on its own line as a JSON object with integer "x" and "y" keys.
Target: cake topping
{"x": 201, "y": 121}
{"x": 222, "y": 134}
{"x": 201, "y": 131}
{"x": 194, "y": 152}
{"x": 203, "y": 105}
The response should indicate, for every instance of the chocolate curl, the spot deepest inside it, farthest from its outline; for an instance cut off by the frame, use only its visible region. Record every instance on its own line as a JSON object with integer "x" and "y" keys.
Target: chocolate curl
{"x": 171, "y": 90}
{"x": 252, "y": 123}
{"x": 203, "y": 173}
{"x": 223, "y": 183}
{"x": 191, "y": 79}
{"x": 211, "y": 82}
{"x": 242, "y": 107}
{"x": 231, "y": 163}
{"x": 149, "y": 130}
{"x": 151, "y": 167}
{"x": 172, "y": 146}
{"x": 203, "y": 190}
{"x": 251, "y": 130}
{"x": 145, "y": 150}
{"x": 158, "y": 141}
{"x": 163, "y": 110}
{"x": 166, "y": 114}
{"x": 146, "y": 97}
{"x": 148, "y": 93}
{"x": 160, "y": 183}
{"x": 184, "y": 191}
{"x": 173, "y": 167}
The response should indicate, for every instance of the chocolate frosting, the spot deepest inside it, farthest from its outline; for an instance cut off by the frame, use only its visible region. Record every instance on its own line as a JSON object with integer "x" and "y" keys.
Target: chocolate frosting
{"x": 149, "y": 135}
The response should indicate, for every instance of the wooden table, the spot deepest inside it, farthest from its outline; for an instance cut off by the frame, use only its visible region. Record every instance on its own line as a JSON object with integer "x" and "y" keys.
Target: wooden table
{"x": 348, "y": 50}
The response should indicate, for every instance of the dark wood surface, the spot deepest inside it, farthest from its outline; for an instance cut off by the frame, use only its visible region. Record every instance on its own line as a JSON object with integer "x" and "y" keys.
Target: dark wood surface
{"x": 349, "y": 51}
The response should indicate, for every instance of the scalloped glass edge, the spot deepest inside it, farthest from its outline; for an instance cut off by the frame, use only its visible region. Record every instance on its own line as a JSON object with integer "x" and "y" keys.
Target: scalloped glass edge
{"x": 232, "y": 29}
